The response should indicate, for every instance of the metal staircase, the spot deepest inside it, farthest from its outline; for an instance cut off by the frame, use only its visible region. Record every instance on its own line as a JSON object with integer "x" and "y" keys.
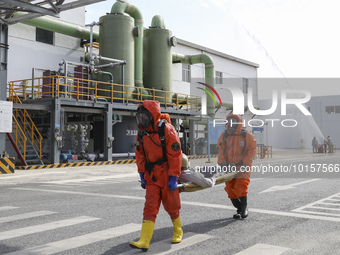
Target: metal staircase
{"x": 25, "y": 138}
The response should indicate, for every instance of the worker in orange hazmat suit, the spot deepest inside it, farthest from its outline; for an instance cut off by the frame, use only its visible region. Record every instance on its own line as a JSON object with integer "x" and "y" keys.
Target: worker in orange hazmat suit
{"x": 237, "y": 148}
{"x": 159, "y": 160}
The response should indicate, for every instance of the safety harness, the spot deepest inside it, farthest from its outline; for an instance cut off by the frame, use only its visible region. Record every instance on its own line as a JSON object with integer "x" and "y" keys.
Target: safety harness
{"x": 161, "y": 133}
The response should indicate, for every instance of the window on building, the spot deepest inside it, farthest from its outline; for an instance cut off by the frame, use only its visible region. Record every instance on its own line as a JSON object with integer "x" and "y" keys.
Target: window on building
{"x": 330, "y": 109}
{"x": 186, "y": 73}
{"x": 337, "y": 109}
{"x": 245, "y": 86}
{"x": 219, "y": 77}
{"x": 44, "y": 36}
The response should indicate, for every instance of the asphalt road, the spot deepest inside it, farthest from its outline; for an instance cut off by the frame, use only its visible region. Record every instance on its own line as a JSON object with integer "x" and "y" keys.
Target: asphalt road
{"x": 98, "y": 210}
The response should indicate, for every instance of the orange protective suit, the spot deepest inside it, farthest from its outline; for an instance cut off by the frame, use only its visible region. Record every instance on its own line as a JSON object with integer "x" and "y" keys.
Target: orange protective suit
{"x": 157, "y": 180}
{"x": 230, "y": 151}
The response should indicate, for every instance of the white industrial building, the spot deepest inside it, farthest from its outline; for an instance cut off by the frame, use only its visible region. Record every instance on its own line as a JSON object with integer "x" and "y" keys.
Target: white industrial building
{"x": 326, "y": 113}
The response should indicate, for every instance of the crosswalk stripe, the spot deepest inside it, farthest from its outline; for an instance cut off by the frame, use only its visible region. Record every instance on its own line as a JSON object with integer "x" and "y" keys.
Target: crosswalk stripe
{"x": 5, "y": 208}
{"x": 24, "y": 216}
{"x": 263, "y": 249}
{"x": 44, "y": 227}
{"x": 96, "y": 178}
{"x": 78, "y": 241}
{"x": 165, "y": 246}
{"x": 210, "y": 205}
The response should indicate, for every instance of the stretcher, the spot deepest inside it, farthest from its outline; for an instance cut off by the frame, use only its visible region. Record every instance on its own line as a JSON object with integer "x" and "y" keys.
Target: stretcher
{"x": 192, "y": 187}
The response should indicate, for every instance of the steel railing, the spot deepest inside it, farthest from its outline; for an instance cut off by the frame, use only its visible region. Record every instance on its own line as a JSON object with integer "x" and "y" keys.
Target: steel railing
{"x": 27, "y": 127}
{"x": 76, "y": 88}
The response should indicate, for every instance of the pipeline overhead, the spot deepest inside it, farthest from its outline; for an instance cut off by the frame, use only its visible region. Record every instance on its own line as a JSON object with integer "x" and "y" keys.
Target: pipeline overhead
{"x": 121, "y": 7}
{"x": 209, "y": 73}
{"x": 59, "y": 26}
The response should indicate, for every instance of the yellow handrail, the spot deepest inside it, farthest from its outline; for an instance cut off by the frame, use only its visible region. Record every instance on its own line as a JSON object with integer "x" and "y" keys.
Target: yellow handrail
{"x": 19, "y": 134}
{"x": 23, "y": 116}
{"x": 76, "y": 88}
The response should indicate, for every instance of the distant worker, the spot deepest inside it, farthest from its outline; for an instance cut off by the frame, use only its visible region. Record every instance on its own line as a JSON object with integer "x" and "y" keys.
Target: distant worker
{"x": 330, "y": 144}
{"x": 324, "y": 146}
{"x": 237, "y": 148}
{"x": 190, "y": 175}
{"x": 159, "y": 160}
{"x": 314, "y": 144}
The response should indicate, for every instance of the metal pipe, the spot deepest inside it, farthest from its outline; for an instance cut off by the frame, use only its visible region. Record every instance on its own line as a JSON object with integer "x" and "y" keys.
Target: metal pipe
{"x": 124, "y": 155}
{"x": 209, "y": 73}
{"x": 122, "y": 7}
{"x": 91, "y": 44}
{"x": 97, "y": 156}
{"x": 110, "y": 59}
{"x": 108, "y": 65}
{"x": 109, "y": 74}
{"x": 59, "y": 26}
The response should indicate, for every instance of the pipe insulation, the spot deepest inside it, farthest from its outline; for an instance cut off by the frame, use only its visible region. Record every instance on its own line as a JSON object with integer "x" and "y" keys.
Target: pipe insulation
{"x": 59, "y": 26}
{"x": 209, "y": 73}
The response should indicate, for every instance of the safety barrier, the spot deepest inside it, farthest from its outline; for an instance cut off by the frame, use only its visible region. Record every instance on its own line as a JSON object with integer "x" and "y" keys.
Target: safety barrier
{"x": 202, "y": 156}
{"x": 264, "y": 151}
{"x": 7, "y": 165}
{"x": 77, "y": 164}
{"x": 99, "y": 163}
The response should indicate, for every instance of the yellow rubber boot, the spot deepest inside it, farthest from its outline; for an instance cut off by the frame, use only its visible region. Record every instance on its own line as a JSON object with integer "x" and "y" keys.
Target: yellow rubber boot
{"x": 145, "y": 237}
{"x": 178, "y": 232}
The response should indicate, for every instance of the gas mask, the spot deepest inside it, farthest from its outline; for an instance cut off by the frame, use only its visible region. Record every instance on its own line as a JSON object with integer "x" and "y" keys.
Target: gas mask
{"x": 144, "y": 118}
{"x": 232, "y": 124}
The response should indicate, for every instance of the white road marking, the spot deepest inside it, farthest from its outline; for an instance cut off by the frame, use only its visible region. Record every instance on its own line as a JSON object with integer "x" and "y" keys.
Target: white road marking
{"x": 289, "y": 214}
{"x": 326, "y": 208}
{"x": 165, "y": 246}
{"x": 44, "y": 227}
{"x": 334, "y": 199}
{"x": 5, "y": 208}
{"x": 320, "y": 213}
{"x": 78, "y": 241}
{"x": 333, "y": 204}
{"x": 96, "y": 178}
{"x": 289, "y": 186}
{"x": 263, "y": 249}
{"x": 28, "y": 174}
{"x": 285, "y": 160}
{"x": 24, "y": 216}
{"x": 83, "y": 193}
{"x": 314, "y": 208}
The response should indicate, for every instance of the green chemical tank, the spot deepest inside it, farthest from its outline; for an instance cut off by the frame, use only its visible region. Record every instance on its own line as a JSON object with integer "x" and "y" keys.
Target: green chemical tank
{"x": 157, "y": 61}
{"x": 117, "y": 42}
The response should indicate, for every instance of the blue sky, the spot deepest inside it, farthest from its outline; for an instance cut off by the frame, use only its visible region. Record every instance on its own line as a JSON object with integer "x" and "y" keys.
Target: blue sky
{"x": 288, "y": 38}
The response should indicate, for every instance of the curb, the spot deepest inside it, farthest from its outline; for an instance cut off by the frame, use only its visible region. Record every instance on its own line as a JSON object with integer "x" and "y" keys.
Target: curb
{"x": 101, "y": 163}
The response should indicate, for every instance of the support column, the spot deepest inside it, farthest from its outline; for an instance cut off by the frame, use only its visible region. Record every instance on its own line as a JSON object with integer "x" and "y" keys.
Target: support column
{"x": 192, "y": 136}
{"x": 108, "y": 134}
{"x": 3, "y": 74}
{"x": 208, "y": 139}
{"x": 56, "y": 138}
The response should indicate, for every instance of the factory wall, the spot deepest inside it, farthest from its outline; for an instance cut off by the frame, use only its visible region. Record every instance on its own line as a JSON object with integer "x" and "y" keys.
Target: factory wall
{"x": 233, "y": 73}
{"x": 328, "y": 120}
{"x": 26, "y": 53}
